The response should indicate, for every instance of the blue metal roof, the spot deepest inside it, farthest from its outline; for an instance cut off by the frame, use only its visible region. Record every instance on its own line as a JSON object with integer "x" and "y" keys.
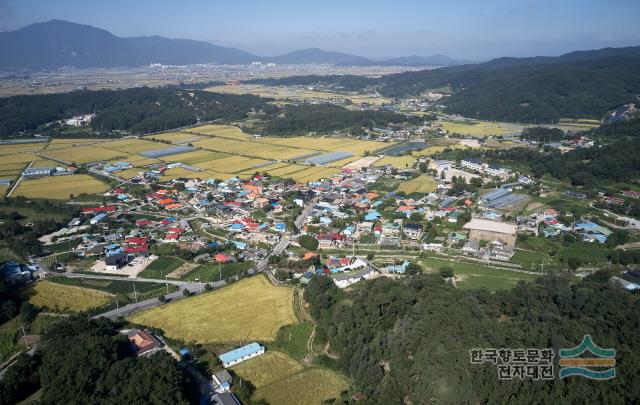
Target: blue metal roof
{"x": 240, "y": 352}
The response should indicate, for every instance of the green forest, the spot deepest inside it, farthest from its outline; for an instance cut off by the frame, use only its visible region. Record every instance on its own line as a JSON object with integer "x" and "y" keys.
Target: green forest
{"x": 539, "y": 89}
{"x": 297, "y": 119}
{"x": 136, "y": 110}
{"x": 85, "y": 361}
{"x": 408, "y": 340}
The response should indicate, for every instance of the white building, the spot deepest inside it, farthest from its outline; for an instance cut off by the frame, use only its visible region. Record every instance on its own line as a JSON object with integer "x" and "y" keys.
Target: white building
{"x": 241, "y": 354}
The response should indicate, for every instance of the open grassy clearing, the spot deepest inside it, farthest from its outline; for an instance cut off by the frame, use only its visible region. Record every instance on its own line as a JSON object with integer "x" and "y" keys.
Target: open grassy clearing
{"x": 215, "y": 272}
{"x": 160, "y": 267}
{"x": 313, "y": 386}
{"x": 470, "y": 275}
{"x": 251, "y": 309}
{"x": 63, "y": 298}
{"x": 60, "y": 187}
{"x": 266, "y": 369}
{"x": 421, "y": 184}
{"x": 292, "y": 339}
{"x": 123, "y": 288}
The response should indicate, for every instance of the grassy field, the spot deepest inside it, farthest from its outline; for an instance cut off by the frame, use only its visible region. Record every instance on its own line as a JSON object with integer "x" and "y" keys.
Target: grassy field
{"x": 470, "y": 275}
{"x": 421, "y": 184}
{"x": 279, "y": 379}
{"x": 292, "y": 339}
{"x": 160, "y": 267}
{"x": 251, "y": 309}
{"x": 123, "y": 288}
{"x": 211, "y": 272}
{"x": 266, "y": 369}
{"x": 60, "y": 187}
{"x": 313, "y": 386}
{"x": 63, "y": 298}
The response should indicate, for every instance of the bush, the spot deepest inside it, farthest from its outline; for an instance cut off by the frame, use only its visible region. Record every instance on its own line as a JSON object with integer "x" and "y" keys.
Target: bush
{"x": 446, "y": 272}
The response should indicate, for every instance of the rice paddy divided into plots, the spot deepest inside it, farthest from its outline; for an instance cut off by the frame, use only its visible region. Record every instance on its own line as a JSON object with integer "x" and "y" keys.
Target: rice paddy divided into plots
{"x": 85, "y": 154}
{"x": 18, "y": 158}
{"x": 421, "y": 184}
{"x": 131, "y": 145}
{"x": 58, "y": 297}
{"x": 68, "y": 143}
{"x": 8, "y": 149}
{"x": 226, "y": 131}
{"x": 297, "y": 94}
{"x": 173, "y": 137}
{"x": 255, "y": 309}
{"x": 60, "y": 187}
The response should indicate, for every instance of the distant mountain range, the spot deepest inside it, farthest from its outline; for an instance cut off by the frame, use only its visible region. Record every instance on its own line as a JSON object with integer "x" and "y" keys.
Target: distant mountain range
{"x": 58, "y": 43}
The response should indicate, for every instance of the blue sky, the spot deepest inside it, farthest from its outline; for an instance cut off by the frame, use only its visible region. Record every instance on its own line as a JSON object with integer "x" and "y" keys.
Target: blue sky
{"x": 478, "y": 30}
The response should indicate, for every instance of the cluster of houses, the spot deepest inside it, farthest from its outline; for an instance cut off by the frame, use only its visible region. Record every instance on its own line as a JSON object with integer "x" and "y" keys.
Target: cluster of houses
{"x": 476, "y": 165}
{"x": 547, "y": 223}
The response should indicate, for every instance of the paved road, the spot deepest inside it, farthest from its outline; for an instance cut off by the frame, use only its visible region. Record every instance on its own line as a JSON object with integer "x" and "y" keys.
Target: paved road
{"x": 305, "y": 213}
{"x": 194, "y": 289}
{"x": 179, "y": 283}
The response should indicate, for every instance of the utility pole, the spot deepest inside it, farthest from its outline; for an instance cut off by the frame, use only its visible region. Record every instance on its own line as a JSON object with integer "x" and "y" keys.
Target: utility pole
{"x": 117, "y": 309}
{"x": 24, "y": 335}
{"x": 135, "y": 295}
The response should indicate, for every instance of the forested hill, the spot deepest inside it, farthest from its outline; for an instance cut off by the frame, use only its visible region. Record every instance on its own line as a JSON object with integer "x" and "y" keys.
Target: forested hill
{"x": 144, "y": 110}
{"x": 408, "y": 341}
{"x": 527, "y": 92}
{"x": 135, "y": 110}
{"x": 540, "y": 89}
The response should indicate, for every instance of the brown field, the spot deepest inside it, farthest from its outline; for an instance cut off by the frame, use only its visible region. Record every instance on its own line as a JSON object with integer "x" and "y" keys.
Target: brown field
{"x": 60, "y": 187}
{"x": 251, "y": 309}
{"x": 60, "y": 297}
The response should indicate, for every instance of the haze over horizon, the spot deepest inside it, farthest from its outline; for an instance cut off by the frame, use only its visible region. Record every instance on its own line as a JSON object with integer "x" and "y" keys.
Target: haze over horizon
{"x": 372, "y": 29}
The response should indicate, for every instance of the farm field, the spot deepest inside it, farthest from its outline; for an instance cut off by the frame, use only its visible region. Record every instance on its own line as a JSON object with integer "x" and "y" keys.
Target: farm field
{"x": 20, "y": 148}
{"x": 227, "y": 131}
{"x": 59, "y": 297}
{"x": 122, "y": 288}
{"x": 313, "y": 386}
{"x": 481, "y": 128}
{"x": 60, "y": 187}
{"x": 257, "y": 308}
{"x": 296, "y": 94}
{"x": 85, "y": 154}
{"x": 266, "y": 369}
{"x": 68, "y": 143}
{"x": 399, "y": 162}
{"x": 131, "y": 145}
{"x": 421, "y": 184}
{"x": 470, "y": 275}
{"x": 211, "y": 272}
{"x": 160, "y": 267}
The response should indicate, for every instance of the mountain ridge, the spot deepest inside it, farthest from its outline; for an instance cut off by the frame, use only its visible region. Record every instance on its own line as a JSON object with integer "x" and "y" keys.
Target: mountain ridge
{"x": 57, "y": 43}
